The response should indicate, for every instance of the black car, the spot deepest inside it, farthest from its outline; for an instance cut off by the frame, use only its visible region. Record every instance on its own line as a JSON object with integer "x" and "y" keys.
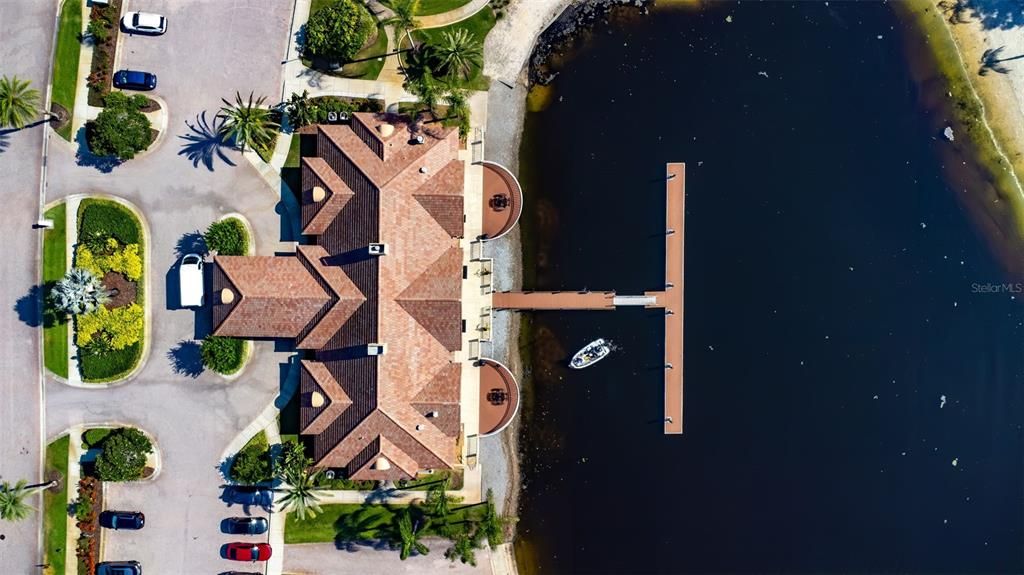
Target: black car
{"x": 246, "y": 525}
{"x": 134, "y": 80}
{"x": 119, "y": 568}
{"x": 122, "y": 520}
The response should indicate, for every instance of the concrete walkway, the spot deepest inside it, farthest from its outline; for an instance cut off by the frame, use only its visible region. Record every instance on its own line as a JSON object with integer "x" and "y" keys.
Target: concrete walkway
{"x": 81, "y": 111}
{"x": 327, "y": 559}
{"x": 452, "y": 16}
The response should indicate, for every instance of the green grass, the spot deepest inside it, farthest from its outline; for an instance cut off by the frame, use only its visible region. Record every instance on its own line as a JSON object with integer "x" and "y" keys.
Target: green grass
{"x": 479, "y": 25}
{"x": 318, "y": 4}
{"x": 65, "y": 63}
{"x": 292, "y": 161}
{"x": 94, "y": 437}
{"x": 368, "y": 63}
{"x": 258, "y": 440}
{"x": 55, "y": 506}
{"x": 108, "y": 217}
{"x": 375, "y": 522}
{"x": 431, "y": 7}
{"x": 55, "y": 330}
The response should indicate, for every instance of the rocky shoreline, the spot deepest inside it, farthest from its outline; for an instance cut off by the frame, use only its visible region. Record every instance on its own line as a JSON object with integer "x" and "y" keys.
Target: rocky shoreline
{"x": 577, "y": 19}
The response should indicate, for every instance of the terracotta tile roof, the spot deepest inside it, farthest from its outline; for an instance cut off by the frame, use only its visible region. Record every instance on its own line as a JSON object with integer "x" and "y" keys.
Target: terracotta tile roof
{"x": 337, "y": 195}
{"x": 399, "y": 464}
{"x": 316, "y": 378}
{"x": 345, "y": 298}
{"x": 276, "y": 297}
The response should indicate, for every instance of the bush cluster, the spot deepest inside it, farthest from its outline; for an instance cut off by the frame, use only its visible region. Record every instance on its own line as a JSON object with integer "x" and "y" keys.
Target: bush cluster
{"x": 222, "y": 354}
{"x": 124, "y": 260}
{"x": 102, "y": 218}
{"x": 123, "y": 457}
{"x": 228, "y": 237}
{"x": 121, "y": 129}
{"x": 253, "y": 464}
{"x": 338, "y": 31}
{"x": 110, "y": 329}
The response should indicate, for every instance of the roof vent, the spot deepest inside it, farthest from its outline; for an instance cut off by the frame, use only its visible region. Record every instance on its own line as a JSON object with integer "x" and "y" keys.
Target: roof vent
{"x": 424, "y": 170}
{"x": 227, "y": 296}
{"x": 382, "y": 464}
{"x": 419, "y": 139}
{"x": 433, "y": 414}
{"x": 378, "y": 249}
{"x": 386, "y": 130}
{"x": 419, "y": 427}
{"x": 316, "y": 399}
{"x": 318, "y": 194}
{"x": 376, "y": 349}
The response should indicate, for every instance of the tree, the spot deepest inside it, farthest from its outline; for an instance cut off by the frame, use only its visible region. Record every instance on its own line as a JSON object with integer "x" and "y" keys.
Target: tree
{"x": 253, "y": 463}
{"x": 439, "y": 503}
{"x": 458, "y": 53}
{"x": 249, "y": 123}
{"x": 425, "y": 88}
{"x": 300, "y": 110}
{"x": 123, "y": 457}
{"x": 19, "y": 102}
{"x": 462, "y": 549}
{"x": 337, "y": 31}
{"x": 405, "y": 18}
{"x": 492, "y": 525}
{"x": 228, "y": 236}
{"x": 121, "y": 129}
{"x": 78, "y": 292}
{"x": 13, "y": 506}
{"x": 408, "y": 536}
{"x": 223, "y": 355}
{"x": 293, "y": 459}
{"x": 458, "y": 105}
{"x": 301, "y": 493}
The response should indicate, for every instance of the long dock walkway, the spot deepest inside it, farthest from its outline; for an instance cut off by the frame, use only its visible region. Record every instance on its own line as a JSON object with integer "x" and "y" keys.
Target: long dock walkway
{"x": 671, "y": 298}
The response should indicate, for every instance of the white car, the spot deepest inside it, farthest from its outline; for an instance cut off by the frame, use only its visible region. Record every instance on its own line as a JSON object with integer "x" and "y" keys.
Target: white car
{"x": 144, "y": 23}
{"x": 190, "y": 274}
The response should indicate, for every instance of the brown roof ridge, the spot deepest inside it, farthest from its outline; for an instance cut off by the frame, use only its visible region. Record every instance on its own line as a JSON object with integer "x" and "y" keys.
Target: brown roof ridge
{"x": 345, "y": 298}
{"x": 395, "y": 456}
{"x": 441, "y": 318}
{"x": 332, "y": 138}
{"x": 437, "y": 281}
{"x": 428, "y": 436}
{"x": 217, "y": 308}
{"x": 335, "y": 277}
{"x": 338, "y": 196}
{"x": 337, "y": 400}
{"x": 435, "y": 391}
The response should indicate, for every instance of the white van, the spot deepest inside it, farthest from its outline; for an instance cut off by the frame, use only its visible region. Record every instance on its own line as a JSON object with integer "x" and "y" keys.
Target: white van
{"x": 190, "y": 273}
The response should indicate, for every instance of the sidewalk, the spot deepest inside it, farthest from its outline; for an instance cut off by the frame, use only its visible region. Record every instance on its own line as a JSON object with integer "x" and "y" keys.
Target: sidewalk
{"x": 81, "y": 111}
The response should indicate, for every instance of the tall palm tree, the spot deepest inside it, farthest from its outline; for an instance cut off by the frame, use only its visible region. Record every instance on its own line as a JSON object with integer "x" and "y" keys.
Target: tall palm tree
{"x": 492, "y": 525}
{"x": 405, "y": 18}
{"x": 19, "y": 102}
{"x": 462, "y": 549}
{"x": 12, "y": 501}
{"x": 458, "y": 106}
{"x": 409, "y": 536}
{"x": 426, "y": 88}
{"x": 301, "y": 493}
{"x": 458, "y": 53}
{"x": 249, "y": 123}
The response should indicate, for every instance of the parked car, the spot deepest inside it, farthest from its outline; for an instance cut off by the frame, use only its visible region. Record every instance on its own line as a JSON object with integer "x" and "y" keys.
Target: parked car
{"x": 248, "y": 551}
{"x": 241, "y": 573}
{"x": 134, "y": 80}
{"x": 144, "y": 23}
{"x": 119, "y": 568}
{"x": 250, "y": 495}
{"x": 246, "y": 525}
{"x": 122, "y": 520}
{"x": 190, "y": 275}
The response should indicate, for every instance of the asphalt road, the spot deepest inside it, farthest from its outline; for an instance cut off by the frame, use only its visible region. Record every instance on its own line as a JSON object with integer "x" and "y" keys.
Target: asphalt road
{"x": 25, "y": 52}
{"x": 188, "y": 180}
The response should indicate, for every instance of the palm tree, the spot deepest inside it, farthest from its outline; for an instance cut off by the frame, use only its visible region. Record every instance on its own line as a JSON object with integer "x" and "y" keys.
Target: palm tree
{"x": 19, "y": 102}
{"x": 78, "y": 292}
{"x": 12, "y": 501}
{"x": 458, "y": 53}
{"x": 462, "y": 549}
{"x": 405, "y": 18}
{"x": 409, "y": 536}
{"x": 458, "y": 106}
{"x": 426, "y": 88}
{"x": 249, "y": 123}
{"x": 492, "y": 525}
{"x": 301, "y": 492}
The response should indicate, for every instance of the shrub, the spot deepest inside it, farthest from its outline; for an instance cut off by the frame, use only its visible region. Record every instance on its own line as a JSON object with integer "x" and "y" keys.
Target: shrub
{"x": 111, "y": 329}
{"x": 123, "y": 457}
{"x": 120, "y": 130}
{"x": 223, "y": 354}
{"x": 229, "y": 237}
{"x": 336, "y": 32}
{"x": 293, "y": 460}
{"x": 109, "y": 219}
{"x": 78, "y": 292}
{"x": 253, "y": 463}
{"x": 95, "y": 436}
{"x": 124, "y": 261}
{"x": 104, "y": 365}
{"x": 98, "y": 30}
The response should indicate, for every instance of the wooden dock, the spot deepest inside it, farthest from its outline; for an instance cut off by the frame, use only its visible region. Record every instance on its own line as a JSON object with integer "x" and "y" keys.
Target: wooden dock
{"x": 670, "y": 298}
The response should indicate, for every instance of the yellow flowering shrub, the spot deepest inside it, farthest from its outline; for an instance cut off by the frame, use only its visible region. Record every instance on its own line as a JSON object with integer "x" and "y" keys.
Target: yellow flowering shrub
{"x": 117, "y": 328}
{"x": 124, "y": 261}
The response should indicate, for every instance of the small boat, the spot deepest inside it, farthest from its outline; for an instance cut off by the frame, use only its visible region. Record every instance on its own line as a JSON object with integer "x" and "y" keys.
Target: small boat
{"x": 591, "y": 353}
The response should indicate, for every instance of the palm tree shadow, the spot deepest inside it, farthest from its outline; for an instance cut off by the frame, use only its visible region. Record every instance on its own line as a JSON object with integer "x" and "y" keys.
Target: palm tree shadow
{"x": 5, "y": 142}
{"x": 205, "y": 142}
{"x": 186, "y": 359}
{"x": 992, "y": 62}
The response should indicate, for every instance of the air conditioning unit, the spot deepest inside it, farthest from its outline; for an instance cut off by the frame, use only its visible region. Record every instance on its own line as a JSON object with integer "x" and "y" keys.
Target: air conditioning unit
{"x": 378, "y": 249}
{"x": 376, "y": 349}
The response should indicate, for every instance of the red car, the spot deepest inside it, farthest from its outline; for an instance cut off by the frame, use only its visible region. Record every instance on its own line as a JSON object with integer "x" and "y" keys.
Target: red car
{"x": 248, "y": 551}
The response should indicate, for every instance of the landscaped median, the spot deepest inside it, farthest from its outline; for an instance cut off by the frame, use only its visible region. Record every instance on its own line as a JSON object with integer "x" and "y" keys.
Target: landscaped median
{"x": 228, "y": 236}
{"x": 65, "y": 64}
{"x": 55, "y": 506}
{"x": 55, "y": 325}
{"x": 111, "y": 247}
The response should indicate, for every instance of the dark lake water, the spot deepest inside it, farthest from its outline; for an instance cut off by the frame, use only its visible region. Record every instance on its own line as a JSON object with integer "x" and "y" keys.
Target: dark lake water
{"x": 830, "y": 304}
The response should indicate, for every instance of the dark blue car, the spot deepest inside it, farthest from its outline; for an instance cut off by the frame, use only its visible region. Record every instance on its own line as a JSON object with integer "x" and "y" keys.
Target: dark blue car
{"x": 246, "y": 525}
{"x": 122, "y": 520}
{"x": 134, "y": 80}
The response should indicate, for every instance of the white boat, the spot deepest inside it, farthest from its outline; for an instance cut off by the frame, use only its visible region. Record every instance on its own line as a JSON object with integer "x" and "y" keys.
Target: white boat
{"x": 591, "y": 353}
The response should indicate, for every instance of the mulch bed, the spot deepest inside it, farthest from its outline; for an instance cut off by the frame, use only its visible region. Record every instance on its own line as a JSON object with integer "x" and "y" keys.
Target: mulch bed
{"x": 151, "y": 106}
{"x": 123, "y": 290}
{"x": 101, "y": 70}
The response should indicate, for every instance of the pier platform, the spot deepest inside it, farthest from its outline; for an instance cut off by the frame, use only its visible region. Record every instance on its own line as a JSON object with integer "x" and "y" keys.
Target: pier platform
{"x": 670, "y": 298}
